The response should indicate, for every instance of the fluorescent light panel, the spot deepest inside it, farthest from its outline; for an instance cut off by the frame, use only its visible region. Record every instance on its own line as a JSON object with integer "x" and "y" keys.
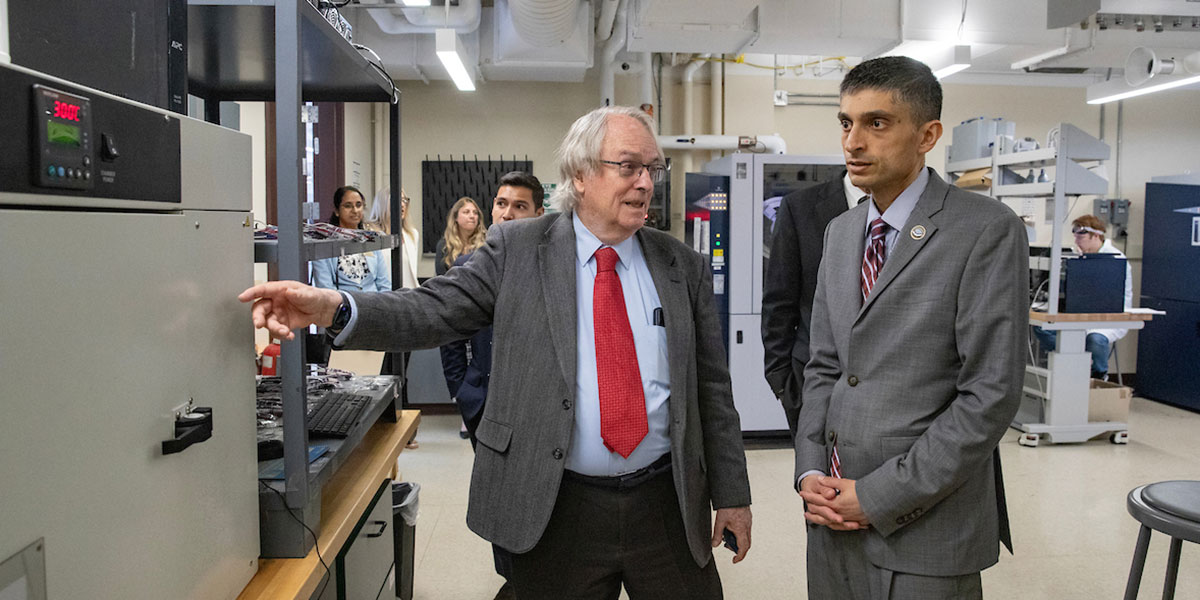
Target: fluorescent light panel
{"x": 1116, "y": 89}
{"x": 450, "y": 51}
{"x": 960, "y": 58}
{"x": 416, "y": 2}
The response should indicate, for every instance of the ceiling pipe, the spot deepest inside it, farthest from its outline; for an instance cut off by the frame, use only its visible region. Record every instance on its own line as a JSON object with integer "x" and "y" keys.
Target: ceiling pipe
{"x": 769, "y": 144}
{"x": 608, "y": 14}
{"x": 689, "y": 74}
{"x": 5, "y": 56}
{"x": 544, "y": 23}
{"x": 647, "y": 80}
{"x": 609, "y": 56}
{"x": 463, "y": 18}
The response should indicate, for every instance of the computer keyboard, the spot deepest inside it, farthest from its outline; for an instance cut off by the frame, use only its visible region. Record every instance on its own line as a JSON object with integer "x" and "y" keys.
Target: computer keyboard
{"x": 335, "y": 413}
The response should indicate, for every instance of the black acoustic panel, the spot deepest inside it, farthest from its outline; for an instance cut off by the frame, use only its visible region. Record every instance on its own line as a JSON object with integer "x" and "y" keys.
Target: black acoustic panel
{"x": 443, "y": 182}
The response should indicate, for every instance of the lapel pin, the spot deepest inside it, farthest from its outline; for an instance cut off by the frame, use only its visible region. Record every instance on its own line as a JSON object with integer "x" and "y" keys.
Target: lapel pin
{"x": 917, "y": 232}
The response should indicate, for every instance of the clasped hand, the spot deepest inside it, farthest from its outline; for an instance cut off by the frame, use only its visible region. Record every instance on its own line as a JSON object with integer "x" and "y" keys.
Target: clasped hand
{"x": 832, "y": 502}
{"x": 281, "y": 306}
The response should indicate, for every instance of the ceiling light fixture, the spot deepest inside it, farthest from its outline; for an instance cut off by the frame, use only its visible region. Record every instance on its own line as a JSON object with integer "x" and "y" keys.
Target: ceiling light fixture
{"x": 944, "y": 58}
{"x": 416, "y": 2}
{"x": 1116, "y": 89}
{"x": 960, "y": 59}
{"x": 451, "y": 52}
{"x": 1146, "y": 73}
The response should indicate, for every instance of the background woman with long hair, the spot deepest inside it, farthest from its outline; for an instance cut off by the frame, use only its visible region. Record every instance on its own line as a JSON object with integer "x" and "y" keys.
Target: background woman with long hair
{"x": 464, "y": 234}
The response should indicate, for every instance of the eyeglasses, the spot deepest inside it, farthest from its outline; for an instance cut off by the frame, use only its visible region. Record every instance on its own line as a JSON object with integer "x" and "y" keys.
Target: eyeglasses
{"x": 629, "y": 168}
{"x": 405, "y": 200}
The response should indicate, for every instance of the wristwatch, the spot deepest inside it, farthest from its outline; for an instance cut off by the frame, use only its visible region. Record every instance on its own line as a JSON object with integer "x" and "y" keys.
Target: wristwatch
{"x": 341, "y": 318}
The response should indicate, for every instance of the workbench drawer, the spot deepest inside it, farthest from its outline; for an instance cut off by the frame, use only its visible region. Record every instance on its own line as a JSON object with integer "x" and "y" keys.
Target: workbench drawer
{"x": 366, "y": 561}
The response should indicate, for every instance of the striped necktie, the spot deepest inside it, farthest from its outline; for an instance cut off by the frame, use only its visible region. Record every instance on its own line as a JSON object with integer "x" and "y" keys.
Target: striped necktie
{"x": 874, "y": 256}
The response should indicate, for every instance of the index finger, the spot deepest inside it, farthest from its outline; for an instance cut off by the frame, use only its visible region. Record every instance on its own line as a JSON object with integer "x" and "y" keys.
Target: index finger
{"x": 252, "y": 293}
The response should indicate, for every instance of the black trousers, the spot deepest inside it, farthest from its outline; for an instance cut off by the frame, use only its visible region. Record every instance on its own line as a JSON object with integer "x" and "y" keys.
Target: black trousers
{"x": 601, "y": 538}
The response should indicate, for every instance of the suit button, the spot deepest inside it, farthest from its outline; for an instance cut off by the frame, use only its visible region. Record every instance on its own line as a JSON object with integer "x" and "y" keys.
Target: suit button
{"x": 558, "y": 454}
{"x": 832, "y": 436}
{"x": 567, "y": 404}
{"x": 853, "y": 381}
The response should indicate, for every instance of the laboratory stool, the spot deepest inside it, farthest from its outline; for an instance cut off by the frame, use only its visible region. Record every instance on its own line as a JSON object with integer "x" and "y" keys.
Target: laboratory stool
{"x": 1172, "y": 507}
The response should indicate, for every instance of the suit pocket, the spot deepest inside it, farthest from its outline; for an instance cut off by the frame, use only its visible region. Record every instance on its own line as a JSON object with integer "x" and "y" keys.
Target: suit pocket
{"x": 494, "y": 435}
{"x": 916, "y": 294}
{"x": 896, "y": 445}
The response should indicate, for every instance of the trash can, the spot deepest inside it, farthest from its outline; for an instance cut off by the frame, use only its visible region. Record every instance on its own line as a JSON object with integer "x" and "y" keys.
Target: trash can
{"x": 405, "y": 502}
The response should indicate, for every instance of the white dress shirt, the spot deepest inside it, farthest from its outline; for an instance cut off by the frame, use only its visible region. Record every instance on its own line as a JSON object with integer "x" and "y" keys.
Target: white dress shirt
{"x": 853, "y": 194}
{"x": 587, "y": 453}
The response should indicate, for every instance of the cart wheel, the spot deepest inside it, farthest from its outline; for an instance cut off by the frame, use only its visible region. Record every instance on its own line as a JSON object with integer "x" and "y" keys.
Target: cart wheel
{"x": 1029, "y": 440}
{"x": 1119, "y": 437}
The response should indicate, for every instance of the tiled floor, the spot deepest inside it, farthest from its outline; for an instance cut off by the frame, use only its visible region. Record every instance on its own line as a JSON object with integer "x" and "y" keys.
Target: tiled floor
{"x": 1073, "y": 537}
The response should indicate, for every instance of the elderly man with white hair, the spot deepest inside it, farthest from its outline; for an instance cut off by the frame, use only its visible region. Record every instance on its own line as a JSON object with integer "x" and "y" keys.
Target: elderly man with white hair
{"x": 609, "y": 435}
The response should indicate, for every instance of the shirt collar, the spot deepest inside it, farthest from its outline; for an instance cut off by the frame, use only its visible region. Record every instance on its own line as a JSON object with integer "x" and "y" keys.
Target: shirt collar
{"x": 853, "y": 194}
{"x": 586, "y": 244}
{"x": 897, "y": 214}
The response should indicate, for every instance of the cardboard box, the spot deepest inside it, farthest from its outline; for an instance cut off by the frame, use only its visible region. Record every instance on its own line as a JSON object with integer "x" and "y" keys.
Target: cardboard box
{"x": 976, "y": 179}
{"x": 1108, "y": 402}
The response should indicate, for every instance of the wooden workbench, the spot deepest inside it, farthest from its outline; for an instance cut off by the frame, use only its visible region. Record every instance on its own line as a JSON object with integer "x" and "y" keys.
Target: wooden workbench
{"x": 1041, "y": 317}
{"x": 344, "y": 499}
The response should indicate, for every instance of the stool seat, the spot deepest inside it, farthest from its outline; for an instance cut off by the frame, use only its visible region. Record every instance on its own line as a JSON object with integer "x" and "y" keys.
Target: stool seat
{"x": 1179, "y": 498}
{"x": 1172, "y": 507}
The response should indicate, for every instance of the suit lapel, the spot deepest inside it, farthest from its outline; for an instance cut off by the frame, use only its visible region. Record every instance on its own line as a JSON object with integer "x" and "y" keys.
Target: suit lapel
{"x": 556, "y": 266}
{"x": 832, "y": 205}
{"x": 672, "y": 293}
{"x": 910, "y": 243}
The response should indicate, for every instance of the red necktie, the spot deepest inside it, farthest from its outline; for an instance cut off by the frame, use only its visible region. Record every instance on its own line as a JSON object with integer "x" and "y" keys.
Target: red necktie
{"x": 622, "y": 400}
{"x": 874, "y": 256}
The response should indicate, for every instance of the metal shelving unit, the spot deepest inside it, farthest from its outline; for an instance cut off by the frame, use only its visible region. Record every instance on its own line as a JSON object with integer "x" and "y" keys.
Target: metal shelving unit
{"x": 1055, "y": 402}
{"x": 267, "y": 251}
{"x": 284, "y": 51}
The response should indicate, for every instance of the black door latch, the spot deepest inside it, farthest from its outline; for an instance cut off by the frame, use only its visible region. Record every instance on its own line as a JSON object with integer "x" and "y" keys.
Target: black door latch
{"x": 191, "y": 427}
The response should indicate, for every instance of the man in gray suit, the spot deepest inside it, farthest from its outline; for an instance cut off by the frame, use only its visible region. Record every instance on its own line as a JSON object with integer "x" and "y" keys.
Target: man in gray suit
{"x": 918, "y": 326}
{"x": 609, "y": 432}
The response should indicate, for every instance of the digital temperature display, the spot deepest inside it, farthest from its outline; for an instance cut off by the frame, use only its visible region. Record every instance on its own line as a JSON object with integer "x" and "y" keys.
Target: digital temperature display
{"x": 67, "y": 111}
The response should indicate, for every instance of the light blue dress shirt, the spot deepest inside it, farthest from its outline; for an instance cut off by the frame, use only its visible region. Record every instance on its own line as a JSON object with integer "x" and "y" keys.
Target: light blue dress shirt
{"x": 896, "y": 215}
{"x": 587, "y": 453}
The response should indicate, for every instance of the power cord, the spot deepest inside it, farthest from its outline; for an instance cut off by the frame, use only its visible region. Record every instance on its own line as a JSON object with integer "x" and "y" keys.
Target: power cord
{"x": 316, "y": 545}
{"x": 378, "y": 67}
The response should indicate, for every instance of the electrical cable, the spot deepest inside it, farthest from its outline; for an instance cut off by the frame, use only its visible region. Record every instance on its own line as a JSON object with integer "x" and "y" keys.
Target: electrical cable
{"x": 963, "y": 20}
{"x": 316, "y": 545}
{"x": 379, "y": 67}
{"x": 840, "y": 59}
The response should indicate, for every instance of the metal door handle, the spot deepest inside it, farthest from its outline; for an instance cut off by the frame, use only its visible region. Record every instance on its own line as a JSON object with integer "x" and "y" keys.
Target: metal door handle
{"x": 382, "y": 527}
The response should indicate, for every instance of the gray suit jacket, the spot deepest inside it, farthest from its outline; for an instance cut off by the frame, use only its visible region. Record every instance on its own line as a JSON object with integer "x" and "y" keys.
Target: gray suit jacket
{"x": 522, "y": 282}
{"x": 919, "y": 383}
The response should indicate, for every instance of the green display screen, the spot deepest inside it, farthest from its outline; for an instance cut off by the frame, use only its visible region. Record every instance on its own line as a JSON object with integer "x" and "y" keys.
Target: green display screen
{"x": 61, "y": 133}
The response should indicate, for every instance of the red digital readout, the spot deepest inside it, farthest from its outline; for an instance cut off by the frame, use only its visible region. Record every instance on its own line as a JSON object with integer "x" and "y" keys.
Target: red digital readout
{"x": 66, "y": 111}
